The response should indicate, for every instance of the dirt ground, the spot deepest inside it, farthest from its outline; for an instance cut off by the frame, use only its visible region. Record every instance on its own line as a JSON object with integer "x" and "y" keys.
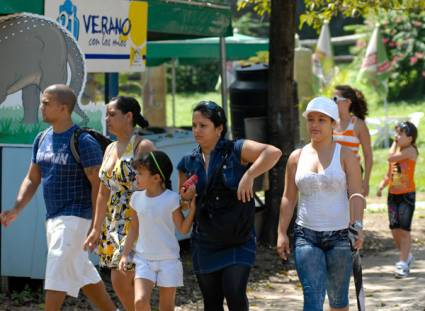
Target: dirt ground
{"x": 275, "y": 286}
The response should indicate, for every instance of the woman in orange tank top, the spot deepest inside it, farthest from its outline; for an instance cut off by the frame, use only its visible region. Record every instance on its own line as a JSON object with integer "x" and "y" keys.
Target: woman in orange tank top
{"x": 401, "y": 192}
{"x": 351, "y": 130}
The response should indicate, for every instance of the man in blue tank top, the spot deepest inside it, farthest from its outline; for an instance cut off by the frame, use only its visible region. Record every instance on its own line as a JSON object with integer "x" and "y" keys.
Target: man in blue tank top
{"x": 70, "y": 191}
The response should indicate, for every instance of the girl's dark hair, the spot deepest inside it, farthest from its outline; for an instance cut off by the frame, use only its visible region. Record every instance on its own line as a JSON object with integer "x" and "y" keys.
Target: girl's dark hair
{"x": 156, "y": 162}
{"x": 130, "y": 104}
{"x": 214, "y": 112}
{"x": 358, "y": 105}
{"x": 410, "y": 130}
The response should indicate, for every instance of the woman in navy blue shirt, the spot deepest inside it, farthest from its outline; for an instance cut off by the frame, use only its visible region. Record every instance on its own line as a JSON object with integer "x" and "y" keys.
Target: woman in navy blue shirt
{"x": 222, "y": 272}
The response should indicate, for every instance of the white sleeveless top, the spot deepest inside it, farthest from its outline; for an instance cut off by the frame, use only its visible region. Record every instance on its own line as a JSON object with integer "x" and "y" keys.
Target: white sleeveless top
{"x": 323, "y": 201}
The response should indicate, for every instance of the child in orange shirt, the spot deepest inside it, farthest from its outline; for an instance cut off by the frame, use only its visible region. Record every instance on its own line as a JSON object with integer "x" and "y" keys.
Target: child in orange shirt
{"x": 401, "y": 192}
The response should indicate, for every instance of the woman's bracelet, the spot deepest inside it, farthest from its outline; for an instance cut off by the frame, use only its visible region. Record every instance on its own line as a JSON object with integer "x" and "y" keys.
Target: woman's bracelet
{"x": 357, "y": 195}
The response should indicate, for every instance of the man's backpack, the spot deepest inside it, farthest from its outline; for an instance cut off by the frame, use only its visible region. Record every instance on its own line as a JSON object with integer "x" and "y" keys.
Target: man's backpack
{"x": 74, "y": 142}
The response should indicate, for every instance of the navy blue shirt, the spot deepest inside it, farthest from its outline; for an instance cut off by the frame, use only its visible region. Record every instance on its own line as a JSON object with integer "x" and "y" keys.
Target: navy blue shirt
{"x": 206, "y": 259}
{"x": 66, "y": 189}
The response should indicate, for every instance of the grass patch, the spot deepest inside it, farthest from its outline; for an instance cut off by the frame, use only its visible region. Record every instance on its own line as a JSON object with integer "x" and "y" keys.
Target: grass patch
{"x": 13, "y": 131}
{"x": 185, "y": 103}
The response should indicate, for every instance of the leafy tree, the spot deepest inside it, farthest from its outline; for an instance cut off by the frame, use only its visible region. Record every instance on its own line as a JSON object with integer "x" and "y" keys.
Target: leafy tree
{"x": 320, "y": 10}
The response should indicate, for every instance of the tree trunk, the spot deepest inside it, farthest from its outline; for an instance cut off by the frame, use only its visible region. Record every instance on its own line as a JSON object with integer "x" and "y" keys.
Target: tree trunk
{"x": 282, "y": 113}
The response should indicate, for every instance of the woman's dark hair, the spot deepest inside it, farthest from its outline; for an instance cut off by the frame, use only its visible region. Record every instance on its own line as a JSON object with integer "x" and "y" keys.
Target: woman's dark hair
{"x": 214, "y": 112}
{"x": 156, "y": 162}
{"x": 130, "y": 104}
{"x": 410, "y": 130}
{"x": 358, "y": 105}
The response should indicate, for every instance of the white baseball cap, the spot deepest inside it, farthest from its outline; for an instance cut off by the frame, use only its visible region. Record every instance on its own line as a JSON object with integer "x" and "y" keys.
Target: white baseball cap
{"x": 324, "y": 105}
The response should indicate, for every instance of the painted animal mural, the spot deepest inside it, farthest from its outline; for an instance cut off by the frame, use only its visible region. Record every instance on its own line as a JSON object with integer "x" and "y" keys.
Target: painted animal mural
{"x": 35, "y": 52}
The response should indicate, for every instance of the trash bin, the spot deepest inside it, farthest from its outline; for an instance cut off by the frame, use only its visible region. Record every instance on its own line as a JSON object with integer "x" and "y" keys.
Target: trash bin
{"x": 248, "y": 96}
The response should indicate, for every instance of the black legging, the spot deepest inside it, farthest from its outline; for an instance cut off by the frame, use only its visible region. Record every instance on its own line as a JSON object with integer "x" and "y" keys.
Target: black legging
{"x": 229, "y": 283}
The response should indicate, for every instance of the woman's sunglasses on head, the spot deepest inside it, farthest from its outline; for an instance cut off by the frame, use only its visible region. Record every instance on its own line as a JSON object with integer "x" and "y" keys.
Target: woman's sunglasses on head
{"x": 336, "y": 99}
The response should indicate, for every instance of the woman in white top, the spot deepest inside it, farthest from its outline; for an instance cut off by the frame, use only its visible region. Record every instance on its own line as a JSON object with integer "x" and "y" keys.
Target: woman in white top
{"x": 322, "y": 172}
{"x": 156, "y": 214}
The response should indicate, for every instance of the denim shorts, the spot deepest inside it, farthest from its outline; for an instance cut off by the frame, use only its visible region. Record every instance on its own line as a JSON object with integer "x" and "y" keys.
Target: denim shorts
{"x": 400, "y": 210}
{"x": 324, "y": 263}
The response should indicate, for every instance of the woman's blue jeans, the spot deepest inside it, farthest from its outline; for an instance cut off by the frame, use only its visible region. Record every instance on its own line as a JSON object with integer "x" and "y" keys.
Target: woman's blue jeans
{"x": 324, "y": 264}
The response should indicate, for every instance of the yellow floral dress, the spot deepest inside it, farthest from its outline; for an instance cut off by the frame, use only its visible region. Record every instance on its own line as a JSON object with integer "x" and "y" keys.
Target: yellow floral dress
{"x": 121, "y": 183}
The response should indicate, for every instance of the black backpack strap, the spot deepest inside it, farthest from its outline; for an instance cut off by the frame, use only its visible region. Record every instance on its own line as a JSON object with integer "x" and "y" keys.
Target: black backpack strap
{"x": 41, "y": 138}
{"x": 74, "y": 144}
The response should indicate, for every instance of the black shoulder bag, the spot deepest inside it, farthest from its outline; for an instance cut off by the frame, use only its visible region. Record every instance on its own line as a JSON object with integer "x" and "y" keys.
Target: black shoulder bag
{"x": 223, "y": 220}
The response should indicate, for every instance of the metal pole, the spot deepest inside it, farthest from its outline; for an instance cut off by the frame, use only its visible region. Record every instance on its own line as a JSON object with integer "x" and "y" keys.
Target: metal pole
{"x": 173, "y": 88}
{"x": 386, "y": 130}
{"x": 224, "y": 79}
{"x": 111, "y": 85}
{"x": 111, "y": 90}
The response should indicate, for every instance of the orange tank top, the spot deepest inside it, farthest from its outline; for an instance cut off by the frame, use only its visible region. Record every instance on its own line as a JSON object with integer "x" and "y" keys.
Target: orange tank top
{"x": 402, "y": 176}
{"x": 348, "y": 137}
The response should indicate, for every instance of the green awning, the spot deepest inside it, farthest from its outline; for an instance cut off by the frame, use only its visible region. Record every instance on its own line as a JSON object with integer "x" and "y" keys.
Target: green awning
{"x": 194, "y": 51}
{"x": 167, "y": 19}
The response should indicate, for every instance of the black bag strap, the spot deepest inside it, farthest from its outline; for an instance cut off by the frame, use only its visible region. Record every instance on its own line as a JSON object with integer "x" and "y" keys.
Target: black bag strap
{"x": 74, "y": 144}
{"x": 42, "y": 136}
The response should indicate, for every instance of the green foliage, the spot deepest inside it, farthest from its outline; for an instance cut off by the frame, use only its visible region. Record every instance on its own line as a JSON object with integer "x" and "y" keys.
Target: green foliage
{"x": 191, "y": 78}
{"x": 129, "y": 84}
{"x": 251, "y": 25}
{"x": 261, "y": 57}
{"x": 26, "y": 296}
{"x": 404, "y": 39}
{"x": 318, "y": 11}
{"x": 347, "y": 74}
{"x": 261, "y": 7}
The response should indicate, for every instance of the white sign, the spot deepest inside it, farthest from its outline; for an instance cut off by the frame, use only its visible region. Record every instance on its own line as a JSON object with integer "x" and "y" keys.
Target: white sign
{"x": 111, "y": 33}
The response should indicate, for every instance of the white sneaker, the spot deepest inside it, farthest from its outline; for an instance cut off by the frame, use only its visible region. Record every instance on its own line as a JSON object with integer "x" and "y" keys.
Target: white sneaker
{"x": 401, "y": 270}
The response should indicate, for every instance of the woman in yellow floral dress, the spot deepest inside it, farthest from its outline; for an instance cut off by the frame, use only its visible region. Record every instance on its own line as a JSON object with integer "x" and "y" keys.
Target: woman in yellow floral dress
{"x": 111, "y": 220}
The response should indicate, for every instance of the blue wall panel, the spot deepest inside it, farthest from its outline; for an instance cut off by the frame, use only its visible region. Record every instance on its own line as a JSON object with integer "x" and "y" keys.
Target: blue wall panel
{"x": 23, "y": 243}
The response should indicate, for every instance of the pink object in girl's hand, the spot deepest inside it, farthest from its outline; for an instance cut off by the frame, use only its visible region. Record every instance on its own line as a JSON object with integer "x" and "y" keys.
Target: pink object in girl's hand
{"x": 191, "y": 181}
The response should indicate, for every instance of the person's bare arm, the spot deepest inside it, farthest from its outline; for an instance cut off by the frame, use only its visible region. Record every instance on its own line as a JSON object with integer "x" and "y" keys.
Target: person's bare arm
{"x": 402, "y": 154}
{"x": 143, "y": 146}
{"x": 263, "y": 157}
{"x": 99, "y": 217}
{"x": 384, "y": 182}
{"x": 365, "y": 141}
{"x": 287, "y": 205}
{"x": 357, "y": 202}
{"x": 26, "y": 191}
{"x": 92, "y": 174}
{"x": 186, "y": 194}
{"x": 132, "y": 236}
{"x": 184, "y": 224}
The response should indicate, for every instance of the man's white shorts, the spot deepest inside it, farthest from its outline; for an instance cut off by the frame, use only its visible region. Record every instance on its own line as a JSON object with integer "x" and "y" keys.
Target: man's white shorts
{"x": 68, "y": 266}
{"x": 164, "y": 273}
